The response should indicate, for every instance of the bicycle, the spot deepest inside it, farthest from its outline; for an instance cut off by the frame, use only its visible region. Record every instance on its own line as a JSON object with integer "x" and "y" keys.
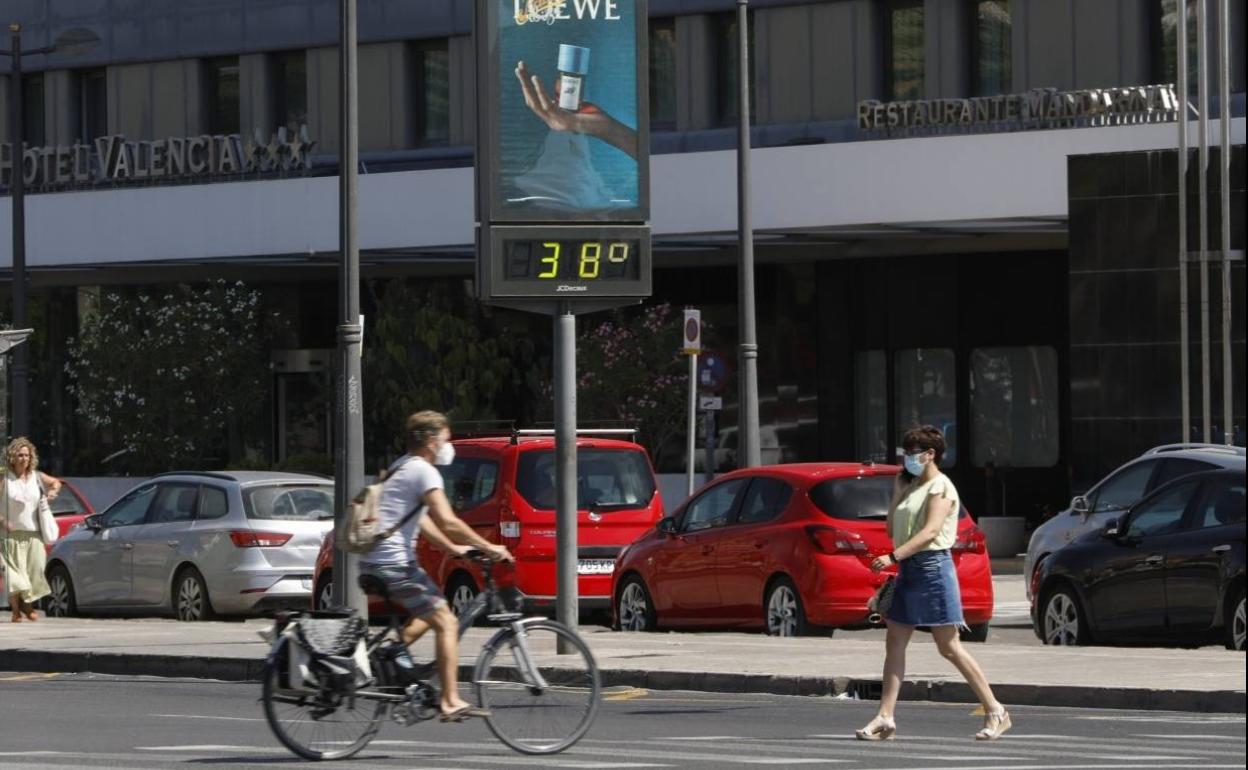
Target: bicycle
{"x": 328, "y": 685}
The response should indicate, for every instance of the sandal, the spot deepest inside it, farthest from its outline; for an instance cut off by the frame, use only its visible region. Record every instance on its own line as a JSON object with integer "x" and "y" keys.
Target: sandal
{"x": 463, "y": 712}
{"x": 995, "y": 725}
{"x": 878, "y": 729}
{"x": 17, "y": 616}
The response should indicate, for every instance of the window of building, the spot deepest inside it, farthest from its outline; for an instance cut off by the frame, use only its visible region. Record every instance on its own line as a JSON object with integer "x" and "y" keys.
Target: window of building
{"x": 926, "y": 381}
{"x": 433, "y": 95}
{"x": 92, "y": 86}
{"x": 1014, "y": 420}
{"x": 663, "y": 73}
{"x": 1165, "y": 40}
{"x": 990, "y": 60}
{"x": 221, "y": 87}
{"x": 904, "y": 50}
{"x": 290, "y": 89}
{"x": 32, "y": 110}
{"x": 727, "y": 62}
{"x": 871, "y": 406}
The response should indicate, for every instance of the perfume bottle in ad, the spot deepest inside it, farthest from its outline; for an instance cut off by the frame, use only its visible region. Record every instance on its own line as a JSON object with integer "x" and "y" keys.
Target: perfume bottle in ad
{"x": 573, "y": 66}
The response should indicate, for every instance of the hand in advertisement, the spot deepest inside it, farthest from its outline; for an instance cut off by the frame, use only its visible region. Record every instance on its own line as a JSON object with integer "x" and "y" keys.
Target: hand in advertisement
{"x": 588, "y": 120}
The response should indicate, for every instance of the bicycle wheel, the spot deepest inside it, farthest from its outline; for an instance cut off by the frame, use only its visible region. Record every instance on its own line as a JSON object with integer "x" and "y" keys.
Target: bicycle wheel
{"x": 546, "y": 713}
{"x": 319, "y": 725}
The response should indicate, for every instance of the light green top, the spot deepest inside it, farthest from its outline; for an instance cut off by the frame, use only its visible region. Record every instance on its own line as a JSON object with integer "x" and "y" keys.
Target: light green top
{"x": 911, "y": 513}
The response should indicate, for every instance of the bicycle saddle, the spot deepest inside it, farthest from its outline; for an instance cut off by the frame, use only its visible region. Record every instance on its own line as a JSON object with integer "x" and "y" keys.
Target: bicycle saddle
{"x": 371, "y": 584}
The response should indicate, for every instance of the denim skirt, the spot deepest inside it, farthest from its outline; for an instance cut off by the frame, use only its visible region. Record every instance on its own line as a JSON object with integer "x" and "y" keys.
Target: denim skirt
{"x": 926, "y": 592}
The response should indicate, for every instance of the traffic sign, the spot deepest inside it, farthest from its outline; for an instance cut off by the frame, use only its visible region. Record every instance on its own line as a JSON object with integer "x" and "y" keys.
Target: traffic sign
{"x": 712, "y": 371}
{"x": 692, "y": 332}
{"x": 710, "y": 403}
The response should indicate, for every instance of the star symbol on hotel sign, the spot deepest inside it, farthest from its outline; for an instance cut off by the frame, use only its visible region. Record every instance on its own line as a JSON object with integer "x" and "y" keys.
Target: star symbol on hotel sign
{"x": 299, "y": 148}
{"x": 275, "y": 151}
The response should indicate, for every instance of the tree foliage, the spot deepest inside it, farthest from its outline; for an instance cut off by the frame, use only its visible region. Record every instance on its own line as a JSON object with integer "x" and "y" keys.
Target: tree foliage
{"x": 161, "y": 374}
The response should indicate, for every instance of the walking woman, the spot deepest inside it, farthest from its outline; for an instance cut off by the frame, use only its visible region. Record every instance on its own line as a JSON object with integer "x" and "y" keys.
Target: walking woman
{"x": 923, "y": 523}
{"x": 21, "y": 548}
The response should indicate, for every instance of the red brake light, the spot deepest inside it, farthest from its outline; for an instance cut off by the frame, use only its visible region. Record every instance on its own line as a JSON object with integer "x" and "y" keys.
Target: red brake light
{"x": 836, "y": 540}
{"x": 971, "y": 540}
{"x": 246, "y": 538}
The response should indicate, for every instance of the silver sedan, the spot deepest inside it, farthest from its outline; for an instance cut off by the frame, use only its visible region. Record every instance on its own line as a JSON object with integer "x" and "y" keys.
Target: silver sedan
{"x": 196, "y": 545}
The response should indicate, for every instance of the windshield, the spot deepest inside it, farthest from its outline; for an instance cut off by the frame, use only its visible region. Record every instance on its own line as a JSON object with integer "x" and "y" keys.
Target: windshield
{"x": 289, "y": 503}
{"x": 607, "y": 479}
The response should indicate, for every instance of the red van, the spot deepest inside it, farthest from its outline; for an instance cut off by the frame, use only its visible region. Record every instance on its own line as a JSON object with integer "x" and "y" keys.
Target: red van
{"x": 504, "y": 487}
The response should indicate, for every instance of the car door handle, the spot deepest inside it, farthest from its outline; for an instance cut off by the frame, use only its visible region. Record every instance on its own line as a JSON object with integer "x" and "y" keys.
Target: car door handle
{"x": 127, "y": 546}
{"x": 1155, "y": 559}
{"x": 760, "y": 543}
{"x": 172, "y": 543}
{"x": 706, "y": 549}
{"x": 1221, "y": 548}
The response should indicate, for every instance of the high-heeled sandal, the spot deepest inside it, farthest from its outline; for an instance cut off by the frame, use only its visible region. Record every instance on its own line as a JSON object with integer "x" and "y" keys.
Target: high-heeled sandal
{"x": 17, "y": 615}
{"x": 995, "y": 725}
{"x": 878, "y": 729}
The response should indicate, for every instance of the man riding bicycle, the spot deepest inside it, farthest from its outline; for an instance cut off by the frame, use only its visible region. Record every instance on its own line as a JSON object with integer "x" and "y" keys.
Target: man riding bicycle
{"x": 412, "y": 482}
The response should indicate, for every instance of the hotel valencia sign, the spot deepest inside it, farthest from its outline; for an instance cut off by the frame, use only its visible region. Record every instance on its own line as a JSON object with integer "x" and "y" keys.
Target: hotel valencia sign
{"x": 114, "y": 160}
{"x": 1039, "y": 108}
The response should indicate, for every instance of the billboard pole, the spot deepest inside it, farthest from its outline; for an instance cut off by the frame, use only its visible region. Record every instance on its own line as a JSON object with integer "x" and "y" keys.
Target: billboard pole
{"x": 566, "y": 504}
{"x": 751, "y": 453}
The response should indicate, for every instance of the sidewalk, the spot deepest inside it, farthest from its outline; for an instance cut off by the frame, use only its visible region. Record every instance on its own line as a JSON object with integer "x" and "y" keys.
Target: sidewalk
{"x": 1207, "y": 679}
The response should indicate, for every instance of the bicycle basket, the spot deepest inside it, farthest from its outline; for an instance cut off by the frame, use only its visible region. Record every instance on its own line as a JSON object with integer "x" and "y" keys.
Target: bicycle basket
{"x": 331, "y": 634}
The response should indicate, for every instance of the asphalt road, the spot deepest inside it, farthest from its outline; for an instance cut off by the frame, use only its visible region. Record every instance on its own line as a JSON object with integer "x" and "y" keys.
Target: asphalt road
{"x": 58, "y": 722}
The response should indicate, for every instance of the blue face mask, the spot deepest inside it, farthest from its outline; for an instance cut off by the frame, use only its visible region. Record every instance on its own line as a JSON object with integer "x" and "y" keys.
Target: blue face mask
{"x": 913, "y": 465}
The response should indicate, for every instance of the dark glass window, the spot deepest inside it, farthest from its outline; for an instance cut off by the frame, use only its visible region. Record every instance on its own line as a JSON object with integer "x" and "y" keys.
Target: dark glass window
{"x": 1124, "y": 488}
{"x": 130, "y": 509}
{"x": 212, "y": 503}
{"x": 1162, "y": 514}
{"x": 607, "y": 479}
{"x": 904, "y": 50}
{"x": 663, "y": 73}
{"x": 221, "y": 87}
{"x": 1174, "y": 467}
{"x": 1165, "y": 27}
{"x": 713, "y": 507}
{"x": 1222, "y": 505}
{"x": 766, "y": 500}
{"x": 32, "y": 110}
{"x": 290, "y": 503}
{"x": 991, "y": 59}
{"x": 433, "y": 95}
{"x": 1014, "y": 394}
{"x": 853, "y": 498}
{"x": 290, "y": 89}
{"x": 174, "y": 503}
{"x": 92, "y": 104}
{"x": 871, "y": 405}
{"x": 727, "y": 62}
{"x": 469, "y": 481}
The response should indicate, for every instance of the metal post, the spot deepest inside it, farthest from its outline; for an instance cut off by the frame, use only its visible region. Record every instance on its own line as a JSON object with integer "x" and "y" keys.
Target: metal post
{"x": 708, "y": 427}
{"x": 1224, "y": 162}
{"x": 691, "y": 431}
{"x": 566, "y": 609}
{"x": 749, "y": 453}
{"x": 17, "y": 191}
{"x": 1185, "y": 363}
{"x": 349, "y": 437}
{"x": 1202, "y": 99}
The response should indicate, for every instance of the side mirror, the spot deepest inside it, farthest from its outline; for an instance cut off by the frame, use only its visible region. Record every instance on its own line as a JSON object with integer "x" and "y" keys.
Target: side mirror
{"x": 1079, "y": 504}
{"x": 1111, "y": 529}
{"x": 93, "y": 523}
{"x": 667, "y": 526}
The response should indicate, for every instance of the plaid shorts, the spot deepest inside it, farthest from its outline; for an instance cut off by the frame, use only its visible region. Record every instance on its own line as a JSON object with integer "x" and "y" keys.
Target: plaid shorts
{"x": 409, "y": 586}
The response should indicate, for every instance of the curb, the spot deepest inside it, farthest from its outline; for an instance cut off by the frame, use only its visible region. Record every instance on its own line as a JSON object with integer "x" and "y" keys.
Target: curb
{"x": 249, "y": 670}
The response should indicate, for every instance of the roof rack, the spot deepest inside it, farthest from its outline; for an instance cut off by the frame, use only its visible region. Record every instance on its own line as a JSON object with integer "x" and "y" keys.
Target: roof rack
{"x": 631, "y": 433}
{"x": 483, "y": 428}
{"x": 1239, "y": 450}
{"x": 209, "y": 474}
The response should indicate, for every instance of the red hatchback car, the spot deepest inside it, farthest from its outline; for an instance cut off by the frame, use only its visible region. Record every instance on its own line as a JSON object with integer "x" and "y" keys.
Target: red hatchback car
{"x": 784, "y": 548}
{"x": 504, "y": 487}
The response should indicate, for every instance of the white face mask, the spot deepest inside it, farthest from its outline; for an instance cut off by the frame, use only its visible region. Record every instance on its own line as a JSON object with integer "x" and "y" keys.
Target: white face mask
{"x": 445, "y": 454}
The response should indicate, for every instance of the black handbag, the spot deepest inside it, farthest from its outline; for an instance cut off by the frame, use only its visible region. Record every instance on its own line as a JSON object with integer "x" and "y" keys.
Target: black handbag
{"x": 882, "y": 600}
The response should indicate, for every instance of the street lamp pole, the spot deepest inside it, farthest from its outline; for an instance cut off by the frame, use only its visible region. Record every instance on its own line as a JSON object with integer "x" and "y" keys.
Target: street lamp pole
{"x": 750, "y": 452}
{"x": 17, "y": 192}
{"x": 349, "y": 437}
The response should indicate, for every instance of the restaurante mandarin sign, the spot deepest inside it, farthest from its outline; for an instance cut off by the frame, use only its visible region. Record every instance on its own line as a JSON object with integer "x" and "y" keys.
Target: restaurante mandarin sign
{"x": 112, "y": 159}
{"x": 1038, "y": 108}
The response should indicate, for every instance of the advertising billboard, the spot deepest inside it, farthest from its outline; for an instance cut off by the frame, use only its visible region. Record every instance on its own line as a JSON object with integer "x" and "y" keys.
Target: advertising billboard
{"x": 564, "y": 134}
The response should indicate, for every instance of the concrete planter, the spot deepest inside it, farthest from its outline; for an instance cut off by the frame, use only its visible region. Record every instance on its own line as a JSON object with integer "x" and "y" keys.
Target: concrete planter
{"x": 1005, "y": 534}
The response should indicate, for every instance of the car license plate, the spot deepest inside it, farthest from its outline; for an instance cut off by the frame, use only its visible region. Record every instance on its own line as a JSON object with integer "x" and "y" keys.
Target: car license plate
{"x": 595, "y": 566}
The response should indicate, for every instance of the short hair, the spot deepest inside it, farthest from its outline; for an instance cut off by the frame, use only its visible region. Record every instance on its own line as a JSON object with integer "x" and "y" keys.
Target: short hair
{"x": 924, "y": 438}
{"x": 422, "y": 426}
{"x": 10, "y": 453}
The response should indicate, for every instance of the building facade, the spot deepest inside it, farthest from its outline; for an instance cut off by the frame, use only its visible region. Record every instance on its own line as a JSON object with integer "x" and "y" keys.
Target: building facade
{"x": 964, "y": 210}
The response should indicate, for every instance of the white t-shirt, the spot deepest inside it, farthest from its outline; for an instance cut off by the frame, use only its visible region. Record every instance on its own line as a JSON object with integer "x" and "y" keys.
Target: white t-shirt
{"x": 410, "y": 480}
{"x": 21, "y": 502}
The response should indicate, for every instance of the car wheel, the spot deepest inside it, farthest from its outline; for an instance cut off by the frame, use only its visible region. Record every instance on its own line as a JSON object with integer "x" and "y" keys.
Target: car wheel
{"x": 975, "y": 633}
{"x": 190, "y": 597}
{"x": 634, "y": 609}
{"x": 324, "y": 598}
{"x": 460, "y": 592}
{"x": 1235, "y": 629}
{"x": 782, "y": 611}
{"x": 61, "y": 602}
{"x": 1062, "y": 621}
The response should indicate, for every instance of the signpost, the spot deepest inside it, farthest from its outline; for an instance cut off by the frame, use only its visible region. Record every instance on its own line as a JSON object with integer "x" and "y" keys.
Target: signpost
{"x": 692, "y": 333}
{"x": 563, "y": 189}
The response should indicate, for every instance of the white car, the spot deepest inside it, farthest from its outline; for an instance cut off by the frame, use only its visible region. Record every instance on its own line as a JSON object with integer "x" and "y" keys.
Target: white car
{"x": 1122, "y": 489}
